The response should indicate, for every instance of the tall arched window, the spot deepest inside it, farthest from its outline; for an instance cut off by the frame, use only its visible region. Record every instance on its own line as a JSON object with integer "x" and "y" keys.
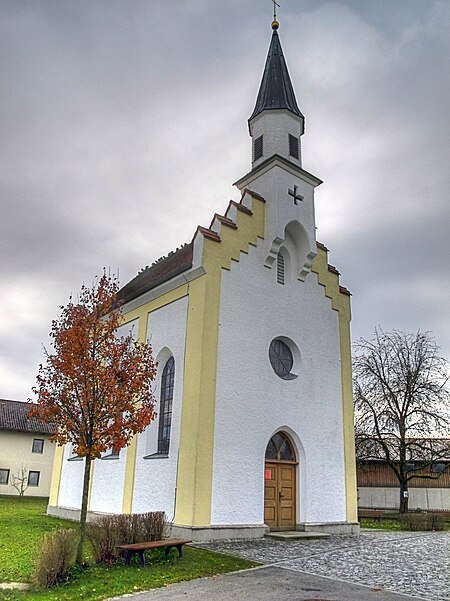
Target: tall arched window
{"x": 165, "y": 406}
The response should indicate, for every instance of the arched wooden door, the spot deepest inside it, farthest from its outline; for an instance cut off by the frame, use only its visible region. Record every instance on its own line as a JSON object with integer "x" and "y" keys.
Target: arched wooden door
{"x": 280, "y": 484}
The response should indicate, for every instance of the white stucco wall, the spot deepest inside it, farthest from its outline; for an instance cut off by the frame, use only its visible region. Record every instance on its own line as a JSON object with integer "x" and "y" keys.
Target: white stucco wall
{"x": 275, "y": 127}
{"x": 71, "y": 484}
{"x": 252, "y": 402}
{"x": 107, "y": 484}
{"x": 155, "y": 478}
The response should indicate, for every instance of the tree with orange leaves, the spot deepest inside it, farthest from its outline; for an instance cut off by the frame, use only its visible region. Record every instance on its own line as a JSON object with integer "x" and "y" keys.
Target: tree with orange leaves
{"x": 94, "y": 387}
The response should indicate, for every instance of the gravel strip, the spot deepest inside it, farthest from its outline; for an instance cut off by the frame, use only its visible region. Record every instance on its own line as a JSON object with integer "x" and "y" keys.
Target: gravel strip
{"x": 411, "y": 563}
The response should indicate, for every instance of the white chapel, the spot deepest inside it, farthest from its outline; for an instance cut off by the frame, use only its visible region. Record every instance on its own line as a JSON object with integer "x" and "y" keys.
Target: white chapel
{"x": 251, "y": 331}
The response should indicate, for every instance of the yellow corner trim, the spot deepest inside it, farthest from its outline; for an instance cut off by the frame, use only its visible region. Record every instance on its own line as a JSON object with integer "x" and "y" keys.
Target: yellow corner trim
{"x": 130, "y": 470}
{"x": 341, "y": 303}
{"x": 56, "y": 475}
{"x": 91, "y": 485}
{"x": 195, "y": 467}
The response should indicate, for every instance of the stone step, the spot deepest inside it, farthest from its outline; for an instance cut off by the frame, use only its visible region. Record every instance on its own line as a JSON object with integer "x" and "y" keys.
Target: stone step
{"x": 296, "y": 535}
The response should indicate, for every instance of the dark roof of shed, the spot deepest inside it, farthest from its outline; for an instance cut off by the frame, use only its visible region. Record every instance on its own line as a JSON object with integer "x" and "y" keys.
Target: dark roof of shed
{"x": 163, "y": 270}
{"x": 14, "y": 416}
{"x": 276, "y": 91}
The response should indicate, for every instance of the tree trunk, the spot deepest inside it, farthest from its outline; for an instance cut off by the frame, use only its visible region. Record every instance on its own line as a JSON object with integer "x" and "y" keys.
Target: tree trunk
{"x": 84, "y": 503}
{"x": 403, "y": 497}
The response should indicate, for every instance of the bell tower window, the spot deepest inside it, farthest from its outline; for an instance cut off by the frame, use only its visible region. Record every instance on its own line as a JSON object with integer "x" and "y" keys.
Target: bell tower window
{"x": 293, "y": 147}
{"x": 258, "y": 148}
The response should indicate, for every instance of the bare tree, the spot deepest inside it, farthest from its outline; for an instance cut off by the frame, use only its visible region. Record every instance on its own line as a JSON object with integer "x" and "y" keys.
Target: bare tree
{"x": 402, "y": 404}
{"x": 20, "y": 480}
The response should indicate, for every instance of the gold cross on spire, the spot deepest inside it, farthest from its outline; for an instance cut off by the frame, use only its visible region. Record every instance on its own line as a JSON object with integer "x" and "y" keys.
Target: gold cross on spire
{"x": 275, "y": 23}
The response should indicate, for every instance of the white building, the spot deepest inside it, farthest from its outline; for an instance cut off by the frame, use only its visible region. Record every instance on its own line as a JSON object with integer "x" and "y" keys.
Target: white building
{"x": 26, "y": 453}
{"x": 250, "y": 328}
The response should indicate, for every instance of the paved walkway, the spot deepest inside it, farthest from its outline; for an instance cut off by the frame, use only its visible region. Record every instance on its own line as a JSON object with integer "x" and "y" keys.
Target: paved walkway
{"x": 267, "y": 584}
{"x": 377, "y": 566}
{"x": 412, "y": 563}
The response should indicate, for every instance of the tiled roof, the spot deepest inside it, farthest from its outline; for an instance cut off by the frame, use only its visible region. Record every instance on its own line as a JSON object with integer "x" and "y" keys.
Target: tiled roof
{"x": 160, "y": 272}
{"x": 14, "y": 416}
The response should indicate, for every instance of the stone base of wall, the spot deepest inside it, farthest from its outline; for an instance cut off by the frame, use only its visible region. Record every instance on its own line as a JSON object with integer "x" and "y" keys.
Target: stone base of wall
{"x": 70, "y": 513}
{"x": 217, "y": 532}
{"x": 349, "y": 528}
{"x": 225, "y": 532}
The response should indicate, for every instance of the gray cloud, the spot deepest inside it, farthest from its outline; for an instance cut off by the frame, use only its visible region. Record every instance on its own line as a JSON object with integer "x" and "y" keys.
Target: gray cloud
{"x": 123, "y": 126}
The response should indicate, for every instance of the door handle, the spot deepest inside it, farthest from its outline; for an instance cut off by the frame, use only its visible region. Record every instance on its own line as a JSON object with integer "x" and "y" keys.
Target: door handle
{"x": 280, "y": 496}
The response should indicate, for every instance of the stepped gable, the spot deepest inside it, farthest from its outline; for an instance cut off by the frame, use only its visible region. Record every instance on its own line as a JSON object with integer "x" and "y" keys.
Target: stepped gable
{"x": 180, "y": 260}
{"x": 14, "y": 416}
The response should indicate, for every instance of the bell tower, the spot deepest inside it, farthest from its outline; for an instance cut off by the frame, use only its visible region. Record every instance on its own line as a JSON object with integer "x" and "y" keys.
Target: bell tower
{"x": 276, "y": 126}
{"x": 276, "y": 123}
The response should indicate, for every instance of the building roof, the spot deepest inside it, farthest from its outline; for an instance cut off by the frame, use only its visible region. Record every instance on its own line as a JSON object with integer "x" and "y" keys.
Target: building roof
{"x": 14, "y": 416}
{"x": 161, "y": 271}
{"x": 276, "y": 91}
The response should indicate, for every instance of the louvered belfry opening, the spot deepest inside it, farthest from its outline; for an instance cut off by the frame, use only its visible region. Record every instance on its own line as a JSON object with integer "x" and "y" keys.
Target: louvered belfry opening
{"x": 258, "y": 148}
{"x": 280, "y": 269}
{"x": 293, "y": 147}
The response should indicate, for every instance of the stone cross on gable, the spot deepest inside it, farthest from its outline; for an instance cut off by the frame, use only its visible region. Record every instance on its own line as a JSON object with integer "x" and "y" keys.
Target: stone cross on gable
{"x": 297, "y": 197}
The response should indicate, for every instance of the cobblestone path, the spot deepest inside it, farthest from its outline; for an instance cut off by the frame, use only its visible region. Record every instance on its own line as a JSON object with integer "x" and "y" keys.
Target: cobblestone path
{"x": 414, "y": 563}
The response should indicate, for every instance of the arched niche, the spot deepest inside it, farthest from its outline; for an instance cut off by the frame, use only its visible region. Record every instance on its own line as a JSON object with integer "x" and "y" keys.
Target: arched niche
{"x": 298, "y": 245}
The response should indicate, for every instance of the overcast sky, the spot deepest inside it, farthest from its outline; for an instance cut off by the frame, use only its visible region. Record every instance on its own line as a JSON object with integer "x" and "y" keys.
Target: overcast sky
{"x": 124, "y": 124}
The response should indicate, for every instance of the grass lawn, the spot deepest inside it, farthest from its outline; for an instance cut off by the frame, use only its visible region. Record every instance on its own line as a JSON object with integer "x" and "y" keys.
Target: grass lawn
{"x": 384, "y": 524}
{"x": 23, "y": 523}
{"x": 387, "y": 524}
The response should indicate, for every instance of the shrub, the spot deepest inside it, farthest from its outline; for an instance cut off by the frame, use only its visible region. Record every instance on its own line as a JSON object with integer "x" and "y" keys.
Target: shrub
{"x": 55, "y": 558}
{"x": 416, "y": 521}
{"x": 106, "y": 532}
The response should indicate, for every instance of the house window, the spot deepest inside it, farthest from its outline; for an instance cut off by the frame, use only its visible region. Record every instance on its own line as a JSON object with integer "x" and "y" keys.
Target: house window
{"x": 38, "y": 445}
{"x": 280, "y": 268}
{"x": 4, "y": 476}
{"x": 33, "y": 478}
{"x": 258, "y": 148}
{"x": 293, "y": 146}
{"x": 165, "y": 409}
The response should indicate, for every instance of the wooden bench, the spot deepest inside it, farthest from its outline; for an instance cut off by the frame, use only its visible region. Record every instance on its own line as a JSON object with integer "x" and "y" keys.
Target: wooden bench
{"x": 374, "y": 514}
{"x": 140, "y": 548}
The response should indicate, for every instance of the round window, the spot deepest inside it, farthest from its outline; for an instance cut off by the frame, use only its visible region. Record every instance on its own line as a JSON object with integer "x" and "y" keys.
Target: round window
{"x": 281, "y": 359}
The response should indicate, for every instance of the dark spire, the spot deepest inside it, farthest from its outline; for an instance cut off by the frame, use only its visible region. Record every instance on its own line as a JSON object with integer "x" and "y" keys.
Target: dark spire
{"x": 276, "y": 91}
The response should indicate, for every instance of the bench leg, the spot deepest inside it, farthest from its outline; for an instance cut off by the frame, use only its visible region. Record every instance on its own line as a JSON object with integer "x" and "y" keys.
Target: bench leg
{"x": 142, "y": 558}
{"x": 128, "y": 558}
{"x": 178, "y": 547}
